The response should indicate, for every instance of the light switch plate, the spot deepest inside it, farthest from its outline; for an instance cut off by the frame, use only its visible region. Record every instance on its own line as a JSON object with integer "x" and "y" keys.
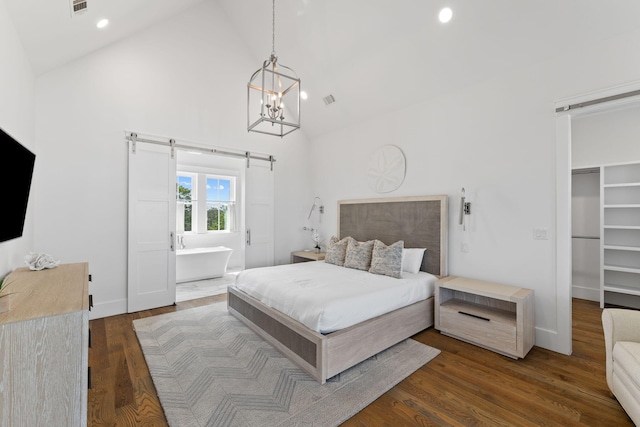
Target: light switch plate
{"x": 540, "y": 233}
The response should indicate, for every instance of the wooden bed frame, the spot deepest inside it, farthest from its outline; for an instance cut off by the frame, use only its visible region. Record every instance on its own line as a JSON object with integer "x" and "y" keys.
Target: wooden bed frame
{"x": 422, "y": 223}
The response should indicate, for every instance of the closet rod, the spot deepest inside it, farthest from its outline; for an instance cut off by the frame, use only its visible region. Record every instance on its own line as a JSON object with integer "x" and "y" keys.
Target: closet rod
{"x": 584, "y": 171}
{"x": 586, "y": 237}
{"x": 132, "y": 136}
{"x": 598, "y": 101}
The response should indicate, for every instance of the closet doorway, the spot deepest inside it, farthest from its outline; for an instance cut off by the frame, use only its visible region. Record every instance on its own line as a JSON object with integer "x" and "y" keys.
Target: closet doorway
{"x": 605, "y": 190}
{"x": 567, "y": 158}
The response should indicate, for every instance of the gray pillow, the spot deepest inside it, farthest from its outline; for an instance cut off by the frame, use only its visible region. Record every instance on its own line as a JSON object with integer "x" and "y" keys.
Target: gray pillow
{"x": 358, "y": 254}
{"x": 336, "y": 250}
{"x": 387, "y": 260}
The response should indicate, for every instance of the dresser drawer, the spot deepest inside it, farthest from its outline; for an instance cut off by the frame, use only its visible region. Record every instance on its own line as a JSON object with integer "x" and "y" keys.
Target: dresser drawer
{"x": 479, "y": 324}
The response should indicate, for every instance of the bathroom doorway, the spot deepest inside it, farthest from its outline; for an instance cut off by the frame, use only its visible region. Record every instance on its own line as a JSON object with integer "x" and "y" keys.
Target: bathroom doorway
{"x": 209, "y": 219}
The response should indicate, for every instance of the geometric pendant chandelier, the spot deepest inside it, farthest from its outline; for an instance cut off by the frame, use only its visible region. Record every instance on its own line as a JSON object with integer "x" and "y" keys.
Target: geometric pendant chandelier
{"x": 273, "y": 95}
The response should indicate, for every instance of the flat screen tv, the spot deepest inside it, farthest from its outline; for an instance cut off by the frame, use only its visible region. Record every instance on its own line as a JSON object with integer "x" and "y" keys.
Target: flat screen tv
{"x": 16, "y": 171}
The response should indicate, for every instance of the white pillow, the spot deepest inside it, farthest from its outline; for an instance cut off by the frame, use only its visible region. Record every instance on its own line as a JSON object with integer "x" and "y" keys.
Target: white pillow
{"x": 412, "y": 259}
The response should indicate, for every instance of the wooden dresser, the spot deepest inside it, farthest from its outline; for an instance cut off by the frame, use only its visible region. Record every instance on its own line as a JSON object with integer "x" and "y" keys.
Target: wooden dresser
{"x": 44, "y": 341}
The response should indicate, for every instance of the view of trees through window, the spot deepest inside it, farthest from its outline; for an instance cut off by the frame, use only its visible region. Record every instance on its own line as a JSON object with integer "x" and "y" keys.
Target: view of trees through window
{"x": 217, "y": 203}
{"x": 185, "y": 184}
{"x": 218, "y": 199}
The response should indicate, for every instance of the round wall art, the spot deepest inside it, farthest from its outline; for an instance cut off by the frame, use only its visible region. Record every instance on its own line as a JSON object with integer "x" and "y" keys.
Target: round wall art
{"x": 386, "y": 169}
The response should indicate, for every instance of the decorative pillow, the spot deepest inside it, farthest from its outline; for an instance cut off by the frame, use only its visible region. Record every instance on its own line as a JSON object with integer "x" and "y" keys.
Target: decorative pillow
{"x": 412, "y": 259}
{"x": 336, "y": 251}
{"x": 387, "y": 260}
{"x": 358, "y": 254}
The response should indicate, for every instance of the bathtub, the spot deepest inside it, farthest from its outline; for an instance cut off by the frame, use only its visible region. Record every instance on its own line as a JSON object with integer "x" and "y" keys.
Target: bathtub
{"x": 201, "y": 263}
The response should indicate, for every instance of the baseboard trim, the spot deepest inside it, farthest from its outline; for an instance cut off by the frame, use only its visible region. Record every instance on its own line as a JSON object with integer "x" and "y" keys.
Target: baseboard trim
{"x": 582, "y": 292}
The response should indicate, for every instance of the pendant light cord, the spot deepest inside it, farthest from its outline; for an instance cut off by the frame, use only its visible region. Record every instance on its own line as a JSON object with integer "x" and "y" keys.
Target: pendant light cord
{"x": 273, "y": 29}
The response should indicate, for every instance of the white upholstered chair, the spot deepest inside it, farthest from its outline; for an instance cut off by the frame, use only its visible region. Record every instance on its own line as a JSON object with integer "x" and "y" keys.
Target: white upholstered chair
{"x": 622, "y": 343}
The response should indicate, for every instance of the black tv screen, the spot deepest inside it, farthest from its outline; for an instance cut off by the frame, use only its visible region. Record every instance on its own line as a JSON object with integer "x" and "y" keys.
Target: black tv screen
{"x": 16, "y": 170}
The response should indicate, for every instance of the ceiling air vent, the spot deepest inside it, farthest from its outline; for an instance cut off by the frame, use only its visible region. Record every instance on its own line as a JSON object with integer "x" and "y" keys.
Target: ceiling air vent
{"x": 78, "y": 7}
{"x": 329, "y": 99}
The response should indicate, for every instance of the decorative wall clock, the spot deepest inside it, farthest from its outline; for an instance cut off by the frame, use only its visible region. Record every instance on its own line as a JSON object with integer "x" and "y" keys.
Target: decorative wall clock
{"x": 386, "y": 170}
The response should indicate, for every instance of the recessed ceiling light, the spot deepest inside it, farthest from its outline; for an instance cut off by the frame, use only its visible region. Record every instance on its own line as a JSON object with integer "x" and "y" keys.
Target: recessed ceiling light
{"x": 303, "y": 95}
{"x": 102, "y": 23}
{"x": 445, "y": 15}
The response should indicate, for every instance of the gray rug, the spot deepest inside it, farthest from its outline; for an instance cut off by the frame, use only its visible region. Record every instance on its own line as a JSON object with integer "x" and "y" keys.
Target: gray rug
{"x": 211, "y": 370}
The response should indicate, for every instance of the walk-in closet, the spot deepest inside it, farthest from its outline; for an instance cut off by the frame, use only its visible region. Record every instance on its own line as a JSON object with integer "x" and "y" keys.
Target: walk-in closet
{"x": 606, "y": 207}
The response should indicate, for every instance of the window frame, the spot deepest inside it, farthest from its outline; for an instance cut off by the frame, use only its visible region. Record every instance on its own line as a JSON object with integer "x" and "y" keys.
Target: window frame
{"x": 228, "y": 203}
{"x": 199, "y": 201}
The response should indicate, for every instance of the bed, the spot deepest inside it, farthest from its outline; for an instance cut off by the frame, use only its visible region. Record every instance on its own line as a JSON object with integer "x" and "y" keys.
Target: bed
{"x": 421, "y": 222}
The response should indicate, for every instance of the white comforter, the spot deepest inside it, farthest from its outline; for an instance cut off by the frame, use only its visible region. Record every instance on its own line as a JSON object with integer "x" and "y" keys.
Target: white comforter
{"x": 326, "y": 297}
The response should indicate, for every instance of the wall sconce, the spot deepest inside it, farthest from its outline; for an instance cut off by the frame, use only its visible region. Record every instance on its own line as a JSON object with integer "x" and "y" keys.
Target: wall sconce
{"x": 465, "y": 209}
{"x": 317, "y": 203}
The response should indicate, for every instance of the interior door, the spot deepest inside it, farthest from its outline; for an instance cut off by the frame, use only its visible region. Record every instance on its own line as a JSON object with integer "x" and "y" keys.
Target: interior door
{"x": 152, "y": 223}
{"x": 259, "y": 215}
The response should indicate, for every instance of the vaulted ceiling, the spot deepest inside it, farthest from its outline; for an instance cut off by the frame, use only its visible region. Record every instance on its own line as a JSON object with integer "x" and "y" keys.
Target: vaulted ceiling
{"x": 371, "y": 55}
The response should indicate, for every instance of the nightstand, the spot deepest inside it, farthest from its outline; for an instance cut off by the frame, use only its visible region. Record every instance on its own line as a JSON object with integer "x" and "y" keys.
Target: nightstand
{"x": 490, "y": 315}
{"x": 304, "y": 256}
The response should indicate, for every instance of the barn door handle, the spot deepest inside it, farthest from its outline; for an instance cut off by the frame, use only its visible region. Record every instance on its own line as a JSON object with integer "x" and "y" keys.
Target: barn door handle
{"x": 171, "y": 241}
{"x": 249, "y": 236}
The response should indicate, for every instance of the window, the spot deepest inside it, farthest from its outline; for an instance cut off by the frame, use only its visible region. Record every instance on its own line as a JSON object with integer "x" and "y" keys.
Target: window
{"x": 185, "y": 192}
{"x": 205, "y": 202}
{"x": 218, "y": 203}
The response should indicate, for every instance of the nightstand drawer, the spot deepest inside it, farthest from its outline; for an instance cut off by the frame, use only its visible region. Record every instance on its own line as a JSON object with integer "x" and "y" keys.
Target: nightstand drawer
{"x": 478, "y": 323}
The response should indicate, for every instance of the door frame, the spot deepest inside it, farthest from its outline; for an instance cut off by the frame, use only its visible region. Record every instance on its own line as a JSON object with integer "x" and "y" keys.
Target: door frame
{"x": 563, "y": 246}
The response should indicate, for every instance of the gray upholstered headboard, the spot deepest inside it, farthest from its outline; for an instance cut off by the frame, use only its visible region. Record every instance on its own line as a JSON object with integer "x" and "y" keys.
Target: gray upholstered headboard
{"x": 420, "y": 221}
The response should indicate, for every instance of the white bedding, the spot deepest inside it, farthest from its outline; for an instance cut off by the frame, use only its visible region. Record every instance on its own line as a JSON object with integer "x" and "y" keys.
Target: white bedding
{"x": 326, "y": 297}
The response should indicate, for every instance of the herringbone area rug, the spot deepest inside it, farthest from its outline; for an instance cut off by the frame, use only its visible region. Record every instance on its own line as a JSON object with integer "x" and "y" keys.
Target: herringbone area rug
{"x": 211, "y": 370}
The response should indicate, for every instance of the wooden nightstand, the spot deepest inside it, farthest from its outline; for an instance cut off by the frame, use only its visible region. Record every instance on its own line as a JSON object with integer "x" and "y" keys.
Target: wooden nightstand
{"x": 497, "y": 317}
{"x": 304, "y": 256}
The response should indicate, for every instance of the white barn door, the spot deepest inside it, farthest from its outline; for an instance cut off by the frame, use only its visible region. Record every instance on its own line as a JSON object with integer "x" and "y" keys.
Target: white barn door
{"x": 152, "y": 223}
{"x": 259, "y": 215}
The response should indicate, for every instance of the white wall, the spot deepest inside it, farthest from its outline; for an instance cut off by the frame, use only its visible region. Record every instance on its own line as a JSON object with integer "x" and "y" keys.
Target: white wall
{"x": 178, "y": 79}
{"x": 17, "y": 106}
{"x": 496, "y": 139}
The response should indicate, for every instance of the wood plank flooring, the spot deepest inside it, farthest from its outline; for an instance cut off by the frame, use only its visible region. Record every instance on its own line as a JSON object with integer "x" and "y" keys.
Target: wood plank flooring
{"x": 463, "y": 386}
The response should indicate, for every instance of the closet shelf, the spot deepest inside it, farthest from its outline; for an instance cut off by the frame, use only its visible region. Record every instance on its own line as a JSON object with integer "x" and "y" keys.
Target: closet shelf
{"x": 622, "y": 268}
{"x": 621, "y": 290}
{"x": 622, "y": 184}
{"x": 622, "y": 248}
{"x": 623, "y": 206}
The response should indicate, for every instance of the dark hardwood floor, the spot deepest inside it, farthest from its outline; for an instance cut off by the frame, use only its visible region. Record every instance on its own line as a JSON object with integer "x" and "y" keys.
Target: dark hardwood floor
{"x": 463, "y": 386}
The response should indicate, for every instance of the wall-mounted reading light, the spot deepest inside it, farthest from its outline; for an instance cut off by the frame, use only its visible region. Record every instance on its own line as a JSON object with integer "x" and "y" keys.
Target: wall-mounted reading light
{"x": 465, "y": 209}
{"x": 317, "y": 203}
